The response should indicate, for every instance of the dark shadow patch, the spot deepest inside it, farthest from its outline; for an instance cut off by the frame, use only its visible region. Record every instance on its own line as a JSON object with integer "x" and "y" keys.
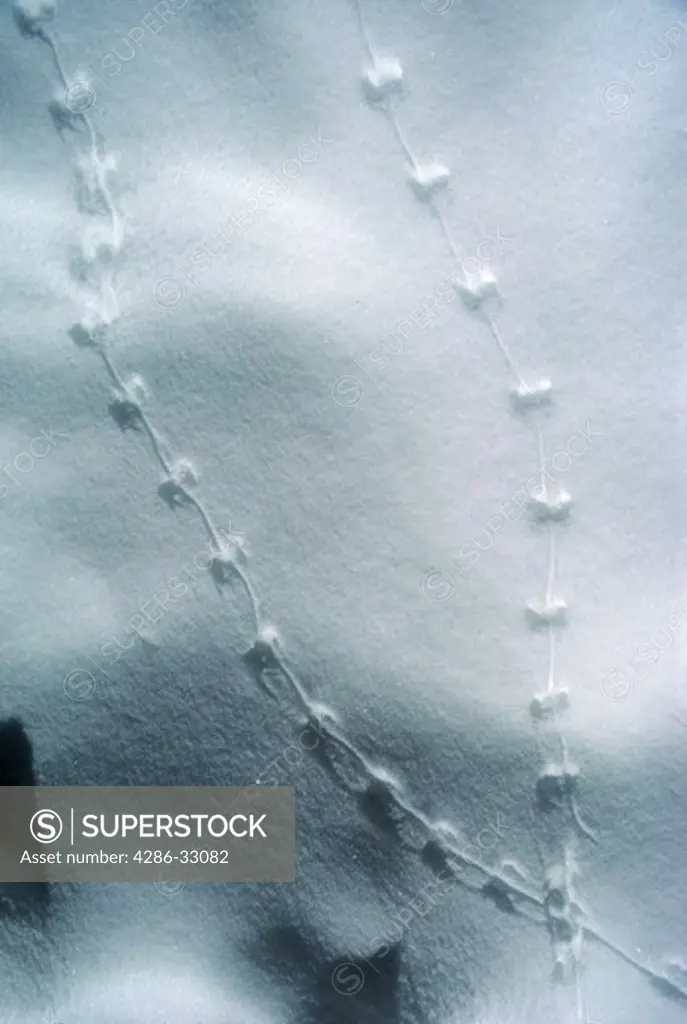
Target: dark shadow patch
{"x": 17, "y": 770}
{"x": 126, "y": 414}
{"x": 435, "y": 857}
{"x": 347, "y": 988}
{"x": 379, "y": 806}
{"x": 16, "y": 754}
{"x": 669, "y": 989}
{"x": 495, "y": 891}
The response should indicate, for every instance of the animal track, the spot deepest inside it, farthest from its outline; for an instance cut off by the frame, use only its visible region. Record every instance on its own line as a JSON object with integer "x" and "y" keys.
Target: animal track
{"x": 557, "y": 786}
{"x": 383, "y": 797}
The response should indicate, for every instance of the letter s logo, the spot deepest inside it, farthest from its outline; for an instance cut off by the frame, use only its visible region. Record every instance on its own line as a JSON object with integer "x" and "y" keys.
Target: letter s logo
{"x": 348, "y": 979}
{"x": 46, "y": 826}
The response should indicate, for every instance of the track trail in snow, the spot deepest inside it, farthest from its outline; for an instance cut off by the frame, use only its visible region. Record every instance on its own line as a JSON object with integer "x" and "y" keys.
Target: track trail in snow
{"x": 554, "y": 906}
{"x": 383, "y": 82}
{"x": 557, "y": 784}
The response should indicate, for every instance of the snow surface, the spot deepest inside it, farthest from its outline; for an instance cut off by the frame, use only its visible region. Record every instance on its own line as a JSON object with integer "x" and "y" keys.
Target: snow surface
{"x": 346, "y": 508}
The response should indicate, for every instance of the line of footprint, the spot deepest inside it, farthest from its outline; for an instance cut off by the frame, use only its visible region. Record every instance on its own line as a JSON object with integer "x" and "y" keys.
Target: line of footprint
{"x": 558, "y": 781}
{"x": 437, "y": 842}
{"x": 383, "y": 83}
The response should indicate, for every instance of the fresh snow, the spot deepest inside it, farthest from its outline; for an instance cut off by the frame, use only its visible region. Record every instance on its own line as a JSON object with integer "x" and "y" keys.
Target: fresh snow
{"x": 361, "y": 471}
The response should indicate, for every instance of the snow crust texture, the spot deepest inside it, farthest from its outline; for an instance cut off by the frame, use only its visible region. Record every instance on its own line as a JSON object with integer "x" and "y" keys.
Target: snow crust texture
{"x": 538, "y": 886}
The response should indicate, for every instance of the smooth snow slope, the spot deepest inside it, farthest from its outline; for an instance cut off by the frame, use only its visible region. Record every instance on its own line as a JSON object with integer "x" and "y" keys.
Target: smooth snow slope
{"x": 347, "y": 507}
